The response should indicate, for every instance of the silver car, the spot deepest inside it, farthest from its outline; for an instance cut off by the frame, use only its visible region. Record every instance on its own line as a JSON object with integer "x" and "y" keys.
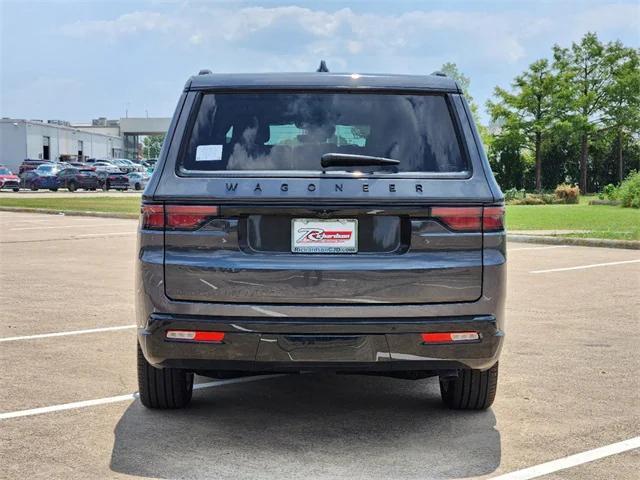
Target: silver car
{"x": 321, "y": 222}
{"x": 138, "y": 180}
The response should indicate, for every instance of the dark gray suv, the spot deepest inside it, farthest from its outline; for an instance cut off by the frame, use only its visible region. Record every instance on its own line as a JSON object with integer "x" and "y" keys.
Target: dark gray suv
{"x": 321, "y": 222}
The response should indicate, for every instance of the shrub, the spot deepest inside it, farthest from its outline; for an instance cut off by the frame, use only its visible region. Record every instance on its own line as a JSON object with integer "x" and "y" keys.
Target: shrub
{"x": 513, "y": 194}
{"x": 566, "y": 193}
{"x": 529, "y": 200}
{"x": 610, "y": 192}
{"x": 629, "y": 191}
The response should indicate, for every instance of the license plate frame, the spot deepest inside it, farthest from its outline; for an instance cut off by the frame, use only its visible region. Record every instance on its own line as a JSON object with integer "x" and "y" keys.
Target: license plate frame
{"x": 324, "y": 236}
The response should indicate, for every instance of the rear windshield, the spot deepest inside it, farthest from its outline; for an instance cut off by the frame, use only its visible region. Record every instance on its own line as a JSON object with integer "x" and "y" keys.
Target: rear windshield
{"x": 291, "y": 131}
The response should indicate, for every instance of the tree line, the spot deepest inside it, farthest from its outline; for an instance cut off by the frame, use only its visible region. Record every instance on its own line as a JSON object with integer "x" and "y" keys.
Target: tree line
{"x": 574, "y": 117}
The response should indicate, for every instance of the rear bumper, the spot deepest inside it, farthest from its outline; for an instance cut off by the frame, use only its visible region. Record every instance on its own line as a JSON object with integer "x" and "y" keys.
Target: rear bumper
{"x": 258, "y": 344}
{"x": 88, "y": 183}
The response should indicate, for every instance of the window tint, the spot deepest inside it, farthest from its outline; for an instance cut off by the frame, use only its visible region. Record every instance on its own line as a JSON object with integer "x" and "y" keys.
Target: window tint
{"x": 291, "y": 131}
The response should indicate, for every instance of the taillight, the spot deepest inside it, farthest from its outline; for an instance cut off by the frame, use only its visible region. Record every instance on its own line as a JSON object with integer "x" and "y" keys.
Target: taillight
{"x": 152, "y": 217}
{"x": 188, "y": 217}
{"x": 176, "y": 217}
{"x": 464, "y": 219}
{"x": 470, "y": 219}
{"x": 493, "y": 219}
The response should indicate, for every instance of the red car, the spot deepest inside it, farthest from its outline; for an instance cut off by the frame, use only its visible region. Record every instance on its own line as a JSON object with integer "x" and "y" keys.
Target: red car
{"x": 8, "y": 179}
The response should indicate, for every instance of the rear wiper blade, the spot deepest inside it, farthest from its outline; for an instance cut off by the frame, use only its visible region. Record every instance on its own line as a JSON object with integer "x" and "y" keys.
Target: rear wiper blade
{"x": 352, "y": 160}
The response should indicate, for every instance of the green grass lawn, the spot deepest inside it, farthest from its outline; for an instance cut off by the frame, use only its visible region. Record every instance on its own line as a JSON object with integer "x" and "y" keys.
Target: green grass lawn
{"x": 602, "y": 221}
{"x": 82, "y": 204}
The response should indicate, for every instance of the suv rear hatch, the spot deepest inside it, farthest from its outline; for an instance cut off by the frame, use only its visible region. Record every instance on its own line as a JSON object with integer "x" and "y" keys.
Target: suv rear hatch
{"x": 250, "y": 216}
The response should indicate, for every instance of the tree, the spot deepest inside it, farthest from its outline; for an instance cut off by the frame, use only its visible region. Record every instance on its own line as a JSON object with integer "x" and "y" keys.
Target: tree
{"x": 586, "y": 75}
{"x": 528, "y": 112}
{"x": 510, "y": 167}
{"x": 622, "y": 111}
{"x": 152, "y": 145}
{"x": 451, "y": 70}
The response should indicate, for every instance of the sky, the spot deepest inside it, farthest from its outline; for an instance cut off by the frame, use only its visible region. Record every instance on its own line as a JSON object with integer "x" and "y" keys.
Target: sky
{"x": 76, "y": 61}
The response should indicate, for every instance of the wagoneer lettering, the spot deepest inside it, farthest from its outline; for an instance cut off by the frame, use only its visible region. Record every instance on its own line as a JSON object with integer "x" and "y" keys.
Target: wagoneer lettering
{"x": 342, "y": 223}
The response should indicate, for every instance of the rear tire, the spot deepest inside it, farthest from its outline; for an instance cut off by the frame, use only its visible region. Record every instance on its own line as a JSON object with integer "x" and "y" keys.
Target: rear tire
{"x": 72, "y": 187}
{"x": 471, "y": 389}
{"x": 138, "y": 186}
{"x": 16, "y": 189}
{"x": 163, "y": 387}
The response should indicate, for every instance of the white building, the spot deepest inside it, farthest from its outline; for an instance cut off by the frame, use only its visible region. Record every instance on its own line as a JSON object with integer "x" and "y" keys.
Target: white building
{"x": 130, "y": 129}
{"x": 54, "y": 141}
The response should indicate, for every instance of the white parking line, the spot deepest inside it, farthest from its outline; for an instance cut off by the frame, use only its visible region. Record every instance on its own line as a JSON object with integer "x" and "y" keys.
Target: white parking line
{"x": 119, "y": 398}
{"x": 536, "y": 248}
{"x": 572, "y": 460}
{"x": 581, "y": 267}
{"x": 93, "y": 224}
{"x": 108, "y": 234}
{"x": 63, "y": 334}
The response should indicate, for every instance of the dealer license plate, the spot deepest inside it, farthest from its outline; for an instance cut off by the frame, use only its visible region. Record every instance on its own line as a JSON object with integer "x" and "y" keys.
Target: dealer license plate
{"x": 311, "y": 235}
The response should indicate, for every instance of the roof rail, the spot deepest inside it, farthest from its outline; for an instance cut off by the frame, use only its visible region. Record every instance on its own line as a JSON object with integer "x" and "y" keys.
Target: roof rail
{"x": 323, "y": 67}
{"x": 438, "y": 73}
{"x": 204, "y": 71}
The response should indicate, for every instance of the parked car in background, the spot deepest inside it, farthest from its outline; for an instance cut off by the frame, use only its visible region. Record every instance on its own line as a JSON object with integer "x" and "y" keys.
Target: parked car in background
{"x": 8, "y": 180}
{"x": 27, "y": 179}
{"x": 140, "y": 166}
{"x": 106, "y": 167}
{"x": 138, "y": 180}
{"x": 29, "y": 164}
{"x": 124, "y": 165}
{"x": 115, "y": 180}
{"x": 45, "y": 177}
{"x": 81, "y": 165}
{"x": 74, "y": 178}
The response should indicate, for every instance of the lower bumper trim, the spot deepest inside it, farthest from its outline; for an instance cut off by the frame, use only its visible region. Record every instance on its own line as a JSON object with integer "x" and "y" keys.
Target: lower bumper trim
{"x": 284, "y": 345}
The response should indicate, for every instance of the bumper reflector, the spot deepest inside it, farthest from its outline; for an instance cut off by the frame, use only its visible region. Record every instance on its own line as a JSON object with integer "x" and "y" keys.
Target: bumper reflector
{"x": 195, "y": 336}
{"x": 450, "y": 337}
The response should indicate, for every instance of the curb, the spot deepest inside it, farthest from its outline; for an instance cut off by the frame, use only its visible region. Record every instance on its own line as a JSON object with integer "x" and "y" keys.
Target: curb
{"x": 583, "y": 242}
{"x": 73, "y": 213}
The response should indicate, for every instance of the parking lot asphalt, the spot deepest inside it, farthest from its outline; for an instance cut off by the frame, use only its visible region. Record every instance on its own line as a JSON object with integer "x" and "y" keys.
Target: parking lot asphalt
{"x": 568, "y": 379}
